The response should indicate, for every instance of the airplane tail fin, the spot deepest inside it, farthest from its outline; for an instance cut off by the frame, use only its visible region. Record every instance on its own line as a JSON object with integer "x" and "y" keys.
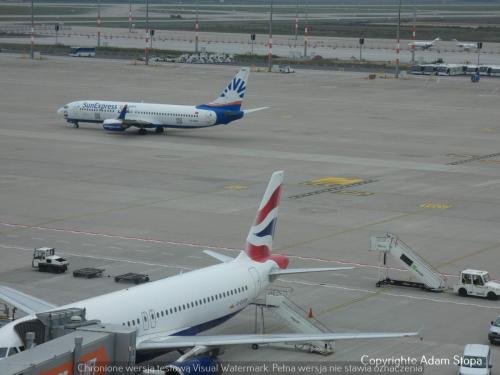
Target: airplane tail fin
{"x": 260, "y": 238}
{"x": 232, "y": 96}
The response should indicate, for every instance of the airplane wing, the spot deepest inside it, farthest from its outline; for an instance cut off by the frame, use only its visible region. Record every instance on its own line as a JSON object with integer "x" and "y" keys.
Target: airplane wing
{"x": 254, "y": 110}
{"x": 220, "y": 257}
{"x": 174, "y": 342}
{"x": 291, "y": 271}
{"x": 25, "y": 302}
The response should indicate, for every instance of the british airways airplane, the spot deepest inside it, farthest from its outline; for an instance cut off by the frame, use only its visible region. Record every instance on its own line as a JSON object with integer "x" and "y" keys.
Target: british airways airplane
{"x": 119, "y": 116}
{"x": 169, "y": 314}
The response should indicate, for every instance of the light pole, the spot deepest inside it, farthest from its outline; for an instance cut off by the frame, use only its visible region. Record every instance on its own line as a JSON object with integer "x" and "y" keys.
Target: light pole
{"x": 146, "y": 52}
{"x": 270, "y": 56}
{"x": 397, "y": 39}
{"x": 32, "y": 49}
{"x": 306, "y": 29}
{"x": 414, "y": 35}
{"x": 129, "y": 16}
{"x": 98, "y": 23}
{"x": 196, "y": 30}
{"x": 296, "y": 22}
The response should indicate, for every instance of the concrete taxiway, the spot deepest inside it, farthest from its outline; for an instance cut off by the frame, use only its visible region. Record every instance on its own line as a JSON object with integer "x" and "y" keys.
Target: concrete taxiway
{"x": 151, "y": 203}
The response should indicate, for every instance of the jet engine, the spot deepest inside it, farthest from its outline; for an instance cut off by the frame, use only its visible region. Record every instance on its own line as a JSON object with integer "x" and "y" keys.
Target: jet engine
{"x": 114, "y": 125}
{"x": 195, "y": 366}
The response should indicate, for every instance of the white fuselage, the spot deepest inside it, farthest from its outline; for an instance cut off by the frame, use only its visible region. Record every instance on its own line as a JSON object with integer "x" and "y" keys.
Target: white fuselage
{"x": 166, "y": 115}
{"x": 187, "y": 303}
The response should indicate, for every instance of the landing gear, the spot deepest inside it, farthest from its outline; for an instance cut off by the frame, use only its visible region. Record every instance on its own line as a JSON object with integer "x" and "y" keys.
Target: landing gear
{"x": 159, "y": 130}
{"x": 75, "y": 124}
{"x": 142, "y": 131}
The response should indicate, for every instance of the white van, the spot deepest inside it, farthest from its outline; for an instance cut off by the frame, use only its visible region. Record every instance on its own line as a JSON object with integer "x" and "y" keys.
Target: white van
{"x": 476, "y": 360}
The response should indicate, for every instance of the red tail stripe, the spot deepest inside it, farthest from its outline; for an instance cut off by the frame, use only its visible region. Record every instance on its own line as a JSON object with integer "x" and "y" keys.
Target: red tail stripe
{"x": 270, "y": 205}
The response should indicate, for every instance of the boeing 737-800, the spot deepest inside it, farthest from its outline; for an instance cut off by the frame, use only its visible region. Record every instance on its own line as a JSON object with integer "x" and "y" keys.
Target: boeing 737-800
{"x": 168, "y": 314}
{"x": 119, "y": 116}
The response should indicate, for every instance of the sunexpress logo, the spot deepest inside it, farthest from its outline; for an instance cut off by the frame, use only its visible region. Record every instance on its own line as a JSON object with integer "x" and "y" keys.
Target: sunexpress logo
{"x": 236, "y": 85}
{"x": 100, "y": 107}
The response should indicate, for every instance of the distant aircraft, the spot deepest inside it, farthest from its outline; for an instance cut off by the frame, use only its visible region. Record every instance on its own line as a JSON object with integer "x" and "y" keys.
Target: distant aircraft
{"x": 467, "y": 46}
{"x": 119, "y": 116}
{"x": 424, "y": 44}
{"x": 168, "y": 314}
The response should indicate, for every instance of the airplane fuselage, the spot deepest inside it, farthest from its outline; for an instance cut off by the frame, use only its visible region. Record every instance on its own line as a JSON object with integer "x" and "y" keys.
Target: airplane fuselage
{"x": 165, "y": 115}
{"x": 186, "y": 304}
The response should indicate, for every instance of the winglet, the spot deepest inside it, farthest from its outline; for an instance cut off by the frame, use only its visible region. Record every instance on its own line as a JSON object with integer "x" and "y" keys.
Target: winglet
{"x": 123, "y": 112}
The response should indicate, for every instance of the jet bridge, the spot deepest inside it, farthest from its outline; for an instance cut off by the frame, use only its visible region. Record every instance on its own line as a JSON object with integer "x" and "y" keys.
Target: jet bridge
{"x": 64, "y": 342}
{"x": 277, "y": 302}
{"x": 426, "y": 276}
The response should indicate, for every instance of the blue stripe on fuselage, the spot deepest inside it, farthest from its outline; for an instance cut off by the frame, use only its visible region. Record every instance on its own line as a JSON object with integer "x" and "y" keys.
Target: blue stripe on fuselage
{"x": 225, "y": 114}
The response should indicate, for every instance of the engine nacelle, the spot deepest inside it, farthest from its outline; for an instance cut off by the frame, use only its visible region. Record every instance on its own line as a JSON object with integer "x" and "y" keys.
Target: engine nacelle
{"x": 113, "y": 125}
{"x": 195, "y": 366}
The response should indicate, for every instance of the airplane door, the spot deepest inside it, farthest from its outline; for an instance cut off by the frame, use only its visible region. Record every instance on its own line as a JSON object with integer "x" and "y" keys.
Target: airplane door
{"x": 256, "y": 279}
{"x": 153, "y": 318}
{"x": 145, "y": 323}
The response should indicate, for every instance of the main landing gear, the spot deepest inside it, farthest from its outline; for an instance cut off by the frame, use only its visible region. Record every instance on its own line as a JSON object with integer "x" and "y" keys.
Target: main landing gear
{"x": 75, "y": 124}
{"x": 142, "y": 131}
{"x": 159, "y": 130}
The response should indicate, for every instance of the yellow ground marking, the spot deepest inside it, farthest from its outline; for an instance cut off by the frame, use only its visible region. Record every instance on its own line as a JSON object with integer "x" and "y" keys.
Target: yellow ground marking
{"x": 235, "y": 187}
{"x": 487, "y": 130}
{"x": 354, "y": 193}
{"x": 441, "y": 206}
{"x": 334, "y": 181}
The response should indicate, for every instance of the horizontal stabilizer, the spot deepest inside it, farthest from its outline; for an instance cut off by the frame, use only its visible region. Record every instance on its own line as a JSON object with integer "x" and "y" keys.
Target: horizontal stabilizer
{"x": 291, "y": 271}
{"x": 173, "y": 342}
{"x": 24, "y": 302}
{"x": 254, "y": 110}
{"x": 220, "y": 257}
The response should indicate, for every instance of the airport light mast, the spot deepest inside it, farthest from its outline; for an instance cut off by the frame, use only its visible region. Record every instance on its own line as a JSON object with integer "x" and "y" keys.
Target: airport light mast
{"x": 129, "y": 16}
{"x": 397, "y": 39}
{"x": 196, "y": 30}
{"x": 414, "y": 35}
{"x": 306, "y": 29}
{"x": 146, "y": 52}
{"x": 270, "y": 56}
{"x": 296, "y": 22}
{"x": 98, "y": 23}
{"x": 32, "y": 49}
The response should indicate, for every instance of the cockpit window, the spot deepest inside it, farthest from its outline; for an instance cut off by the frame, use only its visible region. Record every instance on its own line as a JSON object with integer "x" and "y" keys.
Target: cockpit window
{"x": 13, "y": 351}
{"x": 3, "y": 352}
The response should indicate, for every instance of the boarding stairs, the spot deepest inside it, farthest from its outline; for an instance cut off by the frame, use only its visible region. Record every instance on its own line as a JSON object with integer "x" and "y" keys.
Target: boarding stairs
{"x": 295, "y": 317}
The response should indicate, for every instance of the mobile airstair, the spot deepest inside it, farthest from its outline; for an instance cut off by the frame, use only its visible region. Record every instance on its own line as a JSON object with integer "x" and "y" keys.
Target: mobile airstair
{"x": 296, "y": 318}
{"x": 426, "y": 276}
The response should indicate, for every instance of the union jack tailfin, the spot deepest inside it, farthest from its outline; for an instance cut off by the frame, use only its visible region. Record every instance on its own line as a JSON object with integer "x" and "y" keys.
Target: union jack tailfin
{"x": 260, "y": 238}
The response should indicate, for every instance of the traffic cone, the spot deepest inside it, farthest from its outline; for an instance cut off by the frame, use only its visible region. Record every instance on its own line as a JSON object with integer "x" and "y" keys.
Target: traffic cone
{"x": 310, "y": 314}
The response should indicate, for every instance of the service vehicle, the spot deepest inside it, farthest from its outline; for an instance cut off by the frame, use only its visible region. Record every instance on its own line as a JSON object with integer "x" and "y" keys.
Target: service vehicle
{"x": 82, "y": 52}
{"x": 46, "y": 260}
{"x": 476, "y": 360}
{"x": 477, "y": 283}
{"x": 494, "y": 333}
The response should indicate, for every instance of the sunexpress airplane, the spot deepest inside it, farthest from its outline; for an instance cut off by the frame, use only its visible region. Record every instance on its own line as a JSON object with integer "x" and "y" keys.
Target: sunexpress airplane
{"x": 119, "y": 116}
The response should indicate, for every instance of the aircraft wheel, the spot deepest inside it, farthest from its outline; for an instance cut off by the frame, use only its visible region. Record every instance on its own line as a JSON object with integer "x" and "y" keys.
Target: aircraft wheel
{"x": 255, "y": 346}
{"x": 159, "y": 129}
{"x": 76, "y": 126}
{"x": 142, "y": 131}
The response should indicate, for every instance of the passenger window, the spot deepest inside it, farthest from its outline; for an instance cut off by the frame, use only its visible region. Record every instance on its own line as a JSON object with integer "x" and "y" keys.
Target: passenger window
{"x": 128, "y": 323}
{"x": 138, "y": 321}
